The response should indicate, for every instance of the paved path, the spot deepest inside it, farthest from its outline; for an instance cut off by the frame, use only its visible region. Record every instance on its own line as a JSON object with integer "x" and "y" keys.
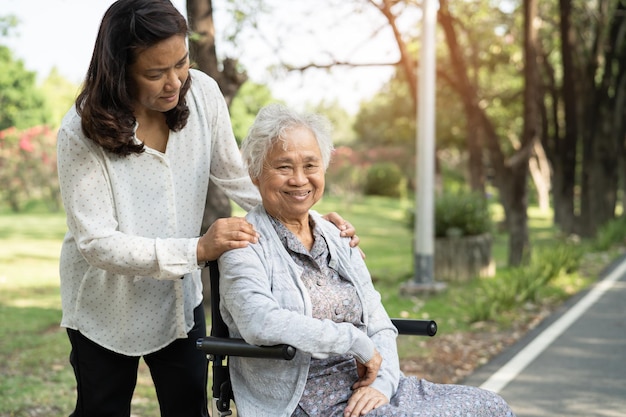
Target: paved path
{"x": 574, "y": 364}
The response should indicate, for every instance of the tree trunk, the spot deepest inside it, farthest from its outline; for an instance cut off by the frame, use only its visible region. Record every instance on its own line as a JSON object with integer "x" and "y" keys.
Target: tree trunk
{"x": 604, "y": 124}
{"x": 406, "y": 59}
{"x": 203, "y": 54}
{"x": 203, "y": 51}
{"x": 475, "y": 161}
{"x": 518, "y": 223}
{"x": 510, "y": 175}
{"x": 601, "y": 174}
{"x": 566, "y": 148}
{"x": 539, "y": 168}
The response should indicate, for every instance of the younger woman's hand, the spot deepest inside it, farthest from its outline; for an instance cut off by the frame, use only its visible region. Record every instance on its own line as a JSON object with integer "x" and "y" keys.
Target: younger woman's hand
{"x": 223, "y": 235}
{"x": 347, "y": 230}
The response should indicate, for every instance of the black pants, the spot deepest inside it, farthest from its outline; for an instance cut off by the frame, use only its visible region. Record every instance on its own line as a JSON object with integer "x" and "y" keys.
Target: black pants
{"x": 106, "y": 380}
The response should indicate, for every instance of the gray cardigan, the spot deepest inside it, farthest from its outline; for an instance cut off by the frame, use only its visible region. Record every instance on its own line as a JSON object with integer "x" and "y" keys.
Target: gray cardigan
{"x": 264, "y": 301}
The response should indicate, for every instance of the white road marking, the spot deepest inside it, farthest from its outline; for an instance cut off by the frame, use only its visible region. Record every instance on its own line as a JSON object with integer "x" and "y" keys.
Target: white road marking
{"x": 519, "y": 362}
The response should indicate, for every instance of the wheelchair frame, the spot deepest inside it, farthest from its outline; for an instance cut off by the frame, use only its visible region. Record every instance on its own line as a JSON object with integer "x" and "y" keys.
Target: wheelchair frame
{"x": 219, "y": 346}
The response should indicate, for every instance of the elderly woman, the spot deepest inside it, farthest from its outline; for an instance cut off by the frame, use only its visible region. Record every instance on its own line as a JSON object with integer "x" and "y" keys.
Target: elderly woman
{"x": 303, "y": 285}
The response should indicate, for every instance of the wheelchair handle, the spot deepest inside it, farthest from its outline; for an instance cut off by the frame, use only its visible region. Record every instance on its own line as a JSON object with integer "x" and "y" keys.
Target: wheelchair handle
{"x": 415, "y": 327}
{"x": 238, "y": 347}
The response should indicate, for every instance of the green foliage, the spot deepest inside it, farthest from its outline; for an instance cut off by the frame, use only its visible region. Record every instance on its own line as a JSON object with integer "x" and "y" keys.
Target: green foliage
{"x": 341, "y": 121}
{"x": 459, "y": 213}
{"x": 250, "y": 98}
{"x": 21, "y": 103}
{"x": 610, "y": 234}
{"x": 489, "y": 36}
{"x": 515, "y": 287}
{"x": 389, "y": 117}
{"x": 59, "y": 94}
{"x": 385, "y": 179}
{"x": 7, "y": 23}
{"x": 28, "y": 167}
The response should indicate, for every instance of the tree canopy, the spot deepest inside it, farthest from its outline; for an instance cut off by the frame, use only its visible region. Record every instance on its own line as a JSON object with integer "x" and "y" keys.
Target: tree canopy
{"x": 21, "y": 102}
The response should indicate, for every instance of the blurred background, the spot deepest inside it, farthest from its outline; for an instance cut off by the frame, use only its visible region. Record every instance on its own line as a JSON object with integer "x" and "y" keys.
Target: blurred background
{"x": 530, "y": 146}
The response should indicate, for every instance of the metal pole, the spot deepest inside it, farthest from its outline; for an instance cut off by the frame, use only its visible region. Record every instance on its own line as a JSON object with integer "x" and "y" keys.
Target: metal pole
{"x": 425, "y": 146}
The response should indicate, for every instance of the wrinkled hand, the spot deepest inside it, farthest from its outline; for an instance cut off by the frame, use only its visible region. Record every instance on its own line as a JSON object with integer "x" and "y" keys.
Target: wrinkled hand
{"x": 347, "y": 230}
{"x": 368, "y": 371}
{"x": 223, "y": 235}
{"x": 363, "y": 400}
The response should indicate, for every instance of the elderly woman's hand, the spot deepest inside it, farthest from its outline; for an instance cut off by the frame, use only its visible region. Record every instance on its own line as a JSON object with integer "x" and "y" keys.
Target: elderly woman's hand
{"x": 223, "y": 235}
{"x": 347, "y": 230}
{"x": 368, "y": 371}
{"x": 363, "y": 400}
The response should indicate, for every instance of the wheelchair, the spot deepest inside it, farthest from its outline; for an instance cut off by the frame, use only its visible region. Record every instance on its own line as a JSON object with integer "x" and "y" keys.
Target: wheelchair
{"x": 219, "y": 346}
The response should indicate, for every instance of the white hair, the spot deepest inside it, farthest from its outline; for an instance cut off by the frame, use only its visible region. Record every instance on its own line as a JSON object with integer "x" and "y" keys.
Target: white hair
{"x": 270, "y": 126}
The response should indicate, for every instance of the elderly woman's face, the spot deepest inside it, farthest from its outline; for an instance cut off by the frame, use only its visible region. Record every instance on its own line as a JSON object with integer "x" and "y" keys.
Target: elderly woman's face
{"x": 292, "y": 179}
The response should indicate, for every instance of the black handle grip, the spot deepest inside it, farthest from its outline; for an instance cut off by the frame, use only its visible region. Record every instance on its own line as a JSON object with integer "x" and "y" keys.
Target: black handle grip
{"x": 239, "y": 347}
{"x": 415, "y": 327}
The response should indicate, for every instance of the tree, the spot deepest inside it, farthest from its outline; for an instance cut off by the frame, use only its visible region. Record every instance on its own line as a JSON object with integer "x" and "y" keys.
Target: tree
{"x": 203, "y": 50}
{"x": 517, "y": 107}
{"x": 59, "y": 94}
{"x": 388, "y": 119}
{"x": 467, "y": 69}
{"x": 510, "y": 172}
{"x": 561, "y": 150}
{"x": 342, "y": 122}
{"x": 586, "y": 144}
{"x": 21, "y": 103}
{"x": 603, "y": 120}
{"x": 6, "y": 24}
{"x": 203, "y": 53}
{"x": 245, "y": 106}
{"x": 230, "y": 78}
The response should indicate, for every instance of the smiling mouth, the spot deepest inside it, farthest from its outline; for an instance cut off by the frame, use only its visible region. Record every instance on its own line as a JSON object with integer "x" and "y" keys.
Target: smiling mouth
{"x": 298, "y": 194}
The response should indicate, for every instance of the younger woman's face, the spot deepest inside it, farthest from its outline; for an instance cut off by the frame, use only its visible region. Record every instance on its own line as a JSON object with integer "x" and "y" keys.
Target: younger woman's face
{"x": 158, "y": 74}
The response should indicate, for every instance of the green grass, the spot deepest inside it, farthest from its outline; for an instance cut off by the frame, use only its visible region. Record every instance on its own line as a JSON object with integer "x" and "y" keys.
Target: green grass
{"x": 35, "y": 374}
{"x": 32, "y": 346}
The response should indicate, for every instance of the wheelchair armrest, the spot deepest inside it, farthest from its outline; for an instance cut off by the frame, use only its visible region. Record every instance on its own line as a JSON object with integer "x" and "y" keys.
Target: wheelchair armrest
{"x": 415, "y": 327}
{"x": 238, "y": 347}
{"x": 223, "y": 346}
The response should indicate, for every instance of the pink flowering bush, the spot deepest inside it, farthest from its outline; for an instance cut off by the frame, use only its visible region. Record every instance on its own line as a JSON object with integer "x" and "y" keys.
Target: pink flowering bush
{"x": 28, "y": 167}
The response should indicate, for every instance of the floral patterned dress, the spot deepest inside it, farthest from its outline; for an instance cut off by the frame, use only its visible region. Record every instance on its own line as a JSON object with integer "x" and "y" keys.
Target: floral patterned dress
{"x": 329, "y": 382}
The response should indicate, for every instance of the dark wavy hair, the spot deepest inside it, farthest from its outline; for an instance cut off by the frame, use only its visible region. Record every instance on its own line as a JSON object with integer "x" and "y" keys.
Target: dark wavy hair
{"x": 104, "y": 103}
